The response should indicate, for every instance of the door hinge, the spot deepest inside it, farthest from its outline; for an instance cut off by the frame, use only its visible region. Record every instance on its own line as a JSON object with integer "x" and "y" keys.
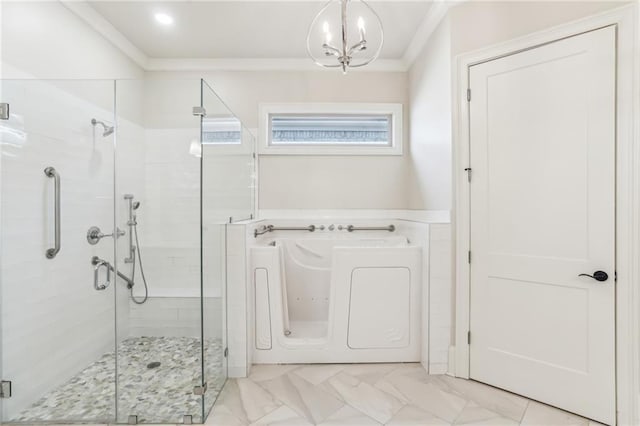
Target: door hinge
{"x": 468, "y": 337}
{"x": 200, "y": 390}
{"x": 5, "y": 389}
{"x": 199, "y": 111}
{"x": 468, "y": 95}
{"x": 468, "y": 170}
{"x": 226, "y": 350}
{"x": 4, "y": 111}
{"x": 469, "y": 256}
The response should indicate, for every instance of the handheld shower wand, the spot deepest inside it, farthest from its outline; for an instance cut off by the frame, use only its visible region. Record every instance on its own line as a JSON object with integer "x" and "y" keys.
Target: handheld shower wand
{"x": 134, "y": 249}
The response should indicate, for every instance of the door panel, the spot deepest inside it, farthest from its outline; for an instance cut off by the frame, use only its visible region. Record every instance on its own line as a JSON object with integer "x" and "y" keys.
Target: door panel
{"x": 543, "y": 212}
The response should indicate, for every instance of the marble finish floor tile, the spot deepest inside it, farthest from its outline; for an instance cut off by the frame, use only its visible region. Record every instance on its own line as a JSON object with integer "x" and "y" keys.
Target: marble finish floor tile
{"x": 374, "y": 394}
{"x": 156, "y": 395}
{"x": 373, "y": 402}
{"x": 538, "y": 414}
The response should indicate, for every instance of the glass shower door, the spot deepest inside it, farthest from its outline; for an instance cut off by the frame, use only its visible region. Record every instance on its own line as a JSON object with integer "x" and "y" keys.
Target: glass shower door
{"x": 57, "y": 291}
{"x": 159, "y": 352}
{"x": 227, "y": 156}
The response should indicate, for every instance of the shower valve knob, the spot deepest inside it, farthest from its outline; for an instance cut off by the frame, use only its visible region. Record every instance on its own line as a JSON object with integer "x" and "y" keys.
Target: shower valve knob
{"x": 94, "y": 235}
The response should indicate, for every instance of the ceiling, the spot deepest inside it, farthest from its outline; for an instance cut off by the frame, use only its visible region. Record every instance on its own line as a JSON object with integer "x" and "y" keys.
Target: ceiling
{"x": 244, "y": 29}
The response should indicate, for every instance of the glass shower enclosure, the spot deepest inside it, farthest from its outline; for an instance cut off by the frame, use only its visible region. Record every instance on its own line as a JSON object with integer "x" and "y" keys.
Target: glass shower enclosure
{"x": 112, "y": 249}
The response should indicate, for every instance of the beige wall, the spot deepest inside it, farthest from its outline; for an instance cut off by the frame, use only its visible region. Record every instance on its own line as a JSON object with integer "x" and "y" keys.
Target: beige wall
{"x": 469, "y": 26}
{"x": 44, "y": 39}
{"x": 430, "y": 128}
{"x": 478, "y": 24}
{"x": 305, "y": 182}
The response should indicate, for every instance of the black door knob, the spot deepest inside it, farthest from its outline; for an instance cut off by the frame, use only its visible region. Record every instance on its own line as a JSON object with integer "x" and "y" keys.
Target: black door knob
{"x": 597, "y": 275}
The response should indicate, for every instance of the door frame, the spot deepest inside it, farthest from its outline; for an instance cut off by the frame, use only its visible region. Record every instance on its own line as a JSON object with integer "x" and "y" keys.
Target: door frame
{"x": 626, "y": 20}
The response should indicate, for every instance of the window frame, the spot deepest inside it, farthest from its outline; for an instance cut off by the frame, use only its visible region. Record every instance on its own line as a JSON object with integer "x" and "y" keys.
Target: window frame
{"x": 393, "y": 110}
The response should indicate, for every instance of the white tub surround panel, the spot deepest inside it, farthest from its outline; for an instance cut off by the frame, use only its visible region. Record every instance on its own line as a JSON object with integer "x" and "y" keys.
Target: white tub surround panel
{"x": 237, "y": 313}
{"x": 422, "y": 216}
{"x": 440, "y": 295}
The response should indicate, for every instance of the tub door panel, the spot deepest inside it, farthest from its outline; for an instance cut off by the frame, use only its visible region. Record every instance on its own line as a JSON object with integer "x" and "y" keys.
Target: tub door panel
{"x": 379, "y": 308}
{"x": 376, "y": 298}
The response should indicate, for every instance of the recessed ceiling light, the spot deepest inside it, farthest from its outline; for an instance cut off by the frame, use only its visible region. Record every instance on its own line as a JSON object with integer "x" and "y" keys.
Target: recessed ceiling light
{"x": 163, "y": 19}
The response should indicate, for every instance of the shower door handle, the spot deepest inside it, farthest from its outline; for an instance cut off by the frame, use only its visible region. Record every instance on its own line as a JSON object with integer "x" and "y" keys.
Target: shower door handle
{"x": 52, "y": 173}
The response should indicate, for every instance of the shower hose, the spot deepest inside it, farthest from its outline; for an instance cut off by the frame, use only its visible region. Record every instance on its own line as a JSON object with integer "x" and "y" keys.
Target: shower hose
{"x": 133, "y": 272}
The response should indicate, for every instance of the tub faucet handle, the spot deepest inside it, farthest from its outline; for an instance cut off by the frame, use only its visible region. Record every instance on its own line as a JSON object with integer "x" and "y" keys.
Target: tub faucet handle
{"x": 332, "y": 227}
{"x": 321, "y": 227}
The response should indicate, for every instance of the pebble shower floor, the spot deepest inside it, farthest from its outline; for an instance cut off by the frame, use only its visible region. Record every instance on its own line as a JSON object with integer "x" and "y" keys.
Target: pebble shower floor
{"x": 163, "y": 394}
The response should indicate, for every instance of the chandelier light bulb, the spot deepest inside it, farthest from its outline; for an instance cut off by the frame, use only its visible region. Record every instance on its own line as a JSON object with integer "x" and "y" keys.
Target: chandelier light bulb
{"x": 361, "y": 27}
{"x": 359, "y": 37}
{"x": 327, "y": 38}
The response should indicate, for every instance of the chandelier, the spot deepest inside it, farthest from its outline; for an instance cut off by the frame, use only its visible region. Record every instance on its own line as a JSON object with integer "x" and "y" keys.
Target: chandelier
{"x": 345, "y": 34}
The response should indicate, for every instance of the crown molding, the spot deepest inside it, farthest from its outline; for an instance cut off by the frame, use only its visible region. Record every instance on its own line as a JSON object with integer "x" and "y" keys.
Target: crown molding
{"x": 263, "y": 64}
{"x": 96, "y": 21}
{"x": 436, "y": 13}
{"x": 91, "y": 17}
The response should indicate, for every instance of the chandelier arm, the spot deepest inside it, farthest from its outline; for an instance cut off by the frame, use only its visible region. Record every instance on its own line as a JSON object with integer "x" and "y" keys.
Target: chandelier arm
{"x": 361, "y": 45}
{"x": 332, "y": 49}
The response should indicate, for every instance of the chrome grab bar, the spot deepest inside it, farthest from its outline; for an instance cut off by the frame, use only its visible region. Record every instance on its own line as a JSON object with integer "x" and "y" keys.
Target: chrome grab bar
{"x": 271, "y": 228}
{"x": 389, "y": 228}
{"x": 97, "y": 263}
{"x": 52, "y": 173}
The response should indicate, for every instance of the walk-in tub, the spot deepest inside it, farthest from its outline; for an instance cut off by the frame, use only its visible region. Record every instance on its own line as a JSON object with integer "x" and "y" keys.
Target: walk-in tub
{"x": 326, "y": 297}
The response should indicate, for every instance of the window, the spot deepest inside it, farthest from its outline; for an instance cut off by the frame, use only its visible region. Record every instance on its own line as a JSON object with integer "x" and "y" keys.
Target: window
{"x": 221, "y": 131}
{"x": 331, "y": 129}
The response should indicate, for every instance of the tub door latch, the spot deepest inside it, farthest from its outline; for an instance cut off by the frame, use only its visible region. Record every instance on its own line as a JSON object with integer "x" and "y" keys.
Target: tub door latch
{"x": 5, "y": 389}
{"x": 200, "y": 390}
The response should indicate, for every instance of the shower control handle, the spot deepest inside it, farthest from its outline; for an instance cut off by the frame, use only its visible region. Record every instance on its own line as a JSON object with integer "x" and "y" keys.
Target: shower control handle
{"x": 597, "y": 275}
{"x": 94, "y": 235}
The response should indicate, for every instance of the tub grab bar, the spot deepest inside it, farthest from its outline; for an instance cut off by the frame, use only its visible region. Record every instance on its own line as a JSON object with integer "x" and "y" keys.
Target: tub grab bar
{"x": 389, "y": 228}
{"x": 271, "y": 228}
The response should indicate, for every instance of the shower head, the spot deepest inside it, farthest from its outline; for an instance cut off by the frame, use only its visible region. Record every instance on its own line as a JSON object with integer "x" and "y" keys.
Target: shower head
{"x": 107, "y": 129}
{"x": 136, "y": 204}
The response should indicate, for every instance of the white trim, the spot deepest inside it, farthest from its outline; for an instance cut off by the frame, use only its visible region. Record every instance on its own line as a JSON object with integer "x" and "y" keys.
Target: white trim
{"x": 103, "y": 27}
{"x": 393, "y": 109}
{"x": 435, "y": 15}
{"x": 263, "y": 64}
{"x": 424, "y": 216}
{"x": 628, "y": 193}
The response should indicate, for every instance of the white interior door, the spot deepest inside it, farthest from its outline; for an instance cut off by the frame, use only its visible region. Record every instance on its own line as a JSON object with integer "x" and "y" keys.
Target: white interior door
{"x": 542, "y": 213}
